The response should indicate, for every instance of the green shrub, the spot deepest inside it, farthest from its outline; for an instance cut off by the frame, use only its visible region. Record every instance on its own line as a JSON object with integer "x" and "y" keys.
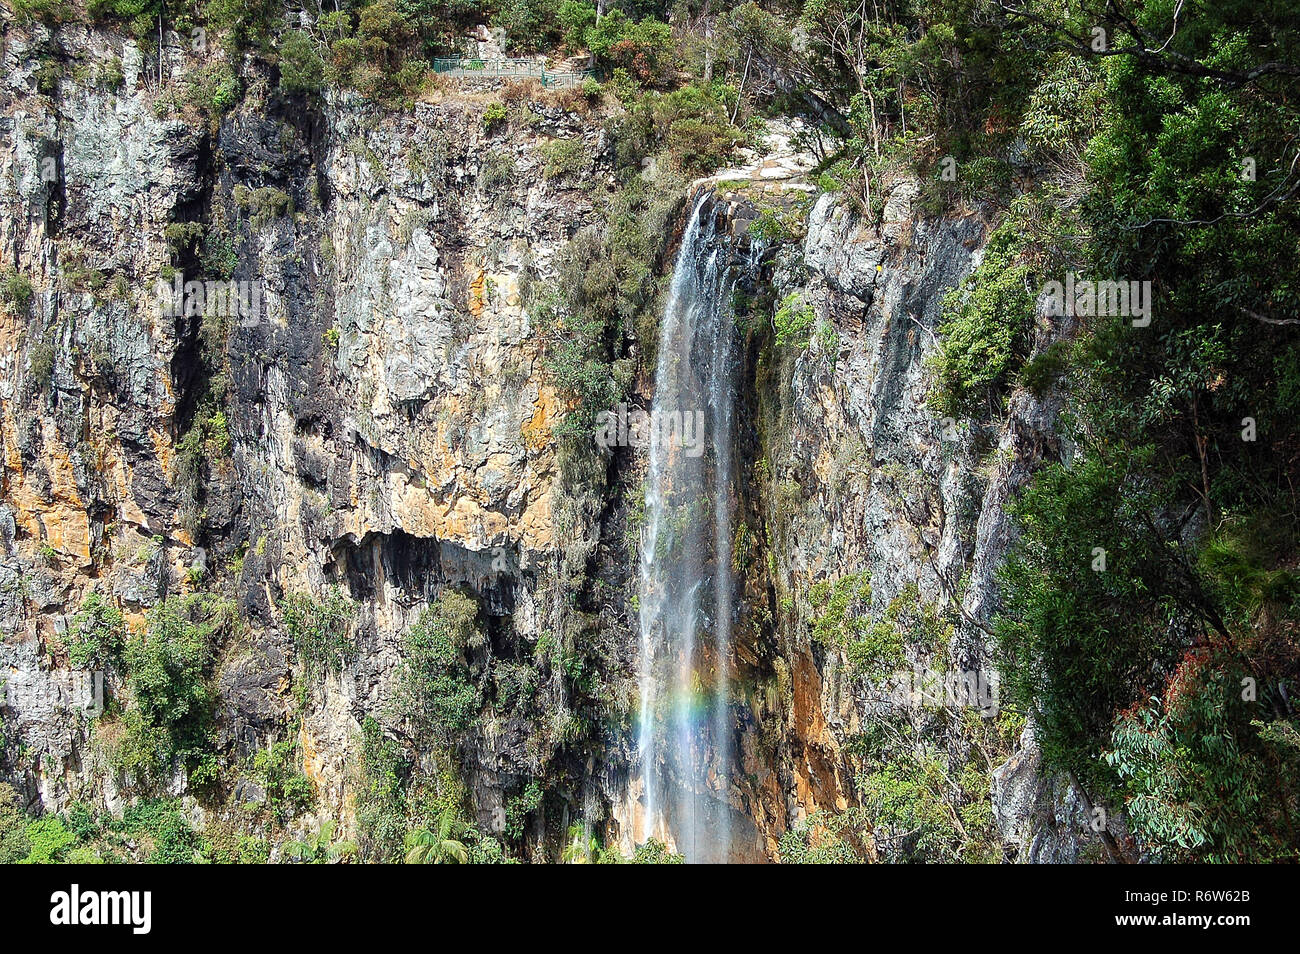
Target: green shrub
{"x": 321, "y": 630}
{"x": 174, "y": 841}
{"x": 382, "y": 797}
{"x": 794, "y": 321}
{"x": 1080, "y": 640}
{"x": 494, "y": 115}
{"x": 841, "y": 619}
{"x": 826, "y": 838}
{"x": 644, "y": 48}
{"x": 576, "y": 17}
{"x": 655, "y": 852}
{"x": 42, "y": 356}
{"x": 110, "y": 75}
{"x": 264, "y": 205}
{"x": 214, "y": 88}
{"x": 520, "y": 808}
{"x": 694, "y": 125}
{"x": 167, "y": 669}
{"x": 437, "y": 695}
{"x": 768, "y": 227}
{"x": 529, "y": 24}
{"x": 1042, "y": 370}
{"x": 49, "y": 840}
{"x": 301, "y": 68}
{"x": 563, "y": 157}
{"x": 97, "y": 635}
{"x": 496, "y": 173}
{"x": 14, "y": 843}
{"x": 289, "y": 793}
{"x": 49, "y": 12}
{"x": 984, "y": 329}
{"x": 16, "y": 290}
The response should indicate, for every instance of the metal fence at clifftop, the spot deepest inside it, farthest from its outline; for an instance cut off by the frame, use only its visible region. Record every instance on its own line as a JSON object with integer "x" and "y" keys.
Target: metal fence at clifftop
{"x": 507, "y": 68}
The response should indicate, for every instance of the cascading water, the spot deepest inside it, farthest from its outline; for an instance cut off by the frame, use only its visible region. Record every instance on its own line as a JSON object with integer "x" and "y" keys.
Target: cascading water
{"x": 687, "y": 585}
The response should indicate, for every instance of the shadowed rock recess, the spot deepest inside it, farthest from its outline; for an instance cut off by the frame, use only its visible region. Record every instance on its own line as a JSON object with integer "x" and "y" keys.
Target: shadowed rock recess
{"x": 406, "y": 466}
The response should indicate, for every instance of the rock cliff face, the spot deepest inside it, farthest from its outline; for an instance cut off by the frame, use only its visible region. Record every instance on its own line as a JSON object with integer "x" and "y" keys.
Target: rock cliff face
{"x": 380, "y": 421}
{"x": 387, "y": 427}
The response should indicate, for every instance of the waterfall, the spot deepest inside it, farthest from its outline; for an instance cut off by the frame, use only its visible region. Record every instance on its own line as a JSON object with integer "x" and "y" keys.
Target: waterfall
{"x": 686, "y": 588}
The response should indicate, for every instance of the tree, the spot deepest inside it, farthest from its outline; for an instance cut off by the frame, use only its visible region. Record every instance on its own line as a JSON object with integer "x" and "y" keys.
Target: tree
{"x": 441, "y": 846}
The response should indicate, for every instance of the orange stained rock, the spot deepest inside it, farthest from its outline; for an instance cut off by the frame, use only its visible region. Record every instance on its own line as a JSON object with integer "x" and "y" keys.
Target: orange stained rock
{"x": 477, "y": 293}
{"x": 537, "y": 431}
{"x": 59, "y": 519}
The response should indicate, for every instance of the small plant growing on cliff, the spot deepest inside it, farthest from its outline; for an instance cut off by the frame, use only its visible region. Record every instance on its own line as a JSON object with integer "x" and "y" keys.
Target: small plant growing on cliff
{"x": 828, "y": 838}
{"x": 496, "y": 172}
{"x": 562, "y": 157}
{"x": 16, "y": 290}
{"x": 440, "y": 844}
{"x": 263, "y": 205}
{"x": 494, "y": 116}
{"x": 655, "y": 852}
{"x": 213, "y": 89}
{"x": 841, "y": 619}
{"x": 97, "y": 635}
{"x": 768, "y": 227}
{"x": 320, "y": 848}
{"x": 289, "y": 792}
{"x": 49, "y": 12}
{"x": 320, "y": 630}
{"x": 110, "y": 75}
{"x": 437, "y": 696}
{"x": 301, "y": 68}
{"x": 793, "y": 321}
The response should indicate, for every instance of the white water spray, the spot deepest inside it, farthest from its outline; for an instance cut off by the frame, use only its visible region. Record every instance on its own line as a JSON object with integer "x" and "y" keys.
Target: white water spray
{"x": 684, "y": 735}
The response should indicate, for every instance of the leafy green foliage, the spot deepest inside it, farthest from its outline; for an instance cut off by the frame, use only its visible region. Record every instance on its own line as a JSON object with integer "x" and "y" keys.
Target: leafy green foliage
{"x": 494, "y": 115}
{"x": 175, "y": 842}
{"x": 49, "y": 12}
{"x": 320, "y": 630}
{"x": 382, "y": 798}
{"x": 563, "y": 158}
{"x": 1134, "y": 673}
{"x": 985, "y": 326}
{"x": 1079, "y": 644}
{"x": 575, "y": 17}
{"x": 841, "y": 618}
{"x": 794, "y": 321}
{"x": 49, "y": 840}
{"x": 530, "y": 25}
{"x": 16, "y": 291}
{"x": 14, "y": 843}
{"x": 643, "y": 48}
{"x": 214, "y": 89}
{"x": 301, "y": 68}
{"x": 167, "y": 670}
{"x": 289, "y": 793}
{"x": 438, "y": 697}
{"x": 320, "y": 847}
{"x": 691, "y": 126}
{"x": 1203, "y": 781}
{"x": 826, "y": 838}
{"x": 655, "y": 852}
{"x": 97, "y": 635}
{"x": 440, "y": 845}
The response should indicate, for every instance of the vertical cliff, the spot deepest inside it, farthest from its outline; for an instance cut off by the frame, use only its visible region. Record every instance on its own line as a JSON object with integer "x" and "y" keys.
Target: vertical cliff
{"x": 351, "y": 415}
{"x": 374, "y": 422}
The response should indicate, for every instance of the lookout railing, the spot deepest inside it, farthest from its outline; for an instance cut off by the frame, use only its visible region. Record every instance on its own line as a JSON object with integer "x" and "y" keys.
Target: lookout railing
{"x": 472, "y": 67}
